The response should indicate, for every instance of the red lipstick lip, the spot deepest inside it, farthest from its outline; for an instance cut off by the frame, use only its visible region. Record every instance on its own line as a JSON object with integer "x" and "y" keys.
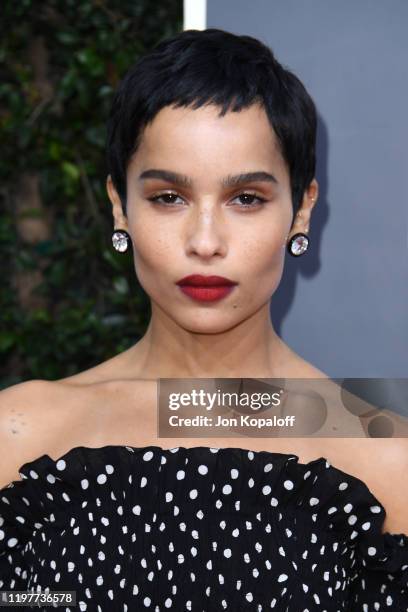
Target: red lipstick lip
{"x": 198, "y": 280}
{"x": 207, "y": 294}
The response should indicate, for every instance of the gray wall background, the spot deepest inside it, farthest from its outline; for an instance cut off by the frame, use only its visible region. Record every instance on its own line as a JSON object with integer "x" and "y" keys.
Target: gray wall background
{"x": 343, "y": 305}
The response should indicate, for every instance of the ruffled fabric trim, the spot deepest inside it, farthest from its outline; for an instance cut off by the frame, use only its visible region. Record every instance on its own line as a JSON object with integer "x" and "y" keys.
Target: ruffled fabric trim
{"x": 320, "y": 496}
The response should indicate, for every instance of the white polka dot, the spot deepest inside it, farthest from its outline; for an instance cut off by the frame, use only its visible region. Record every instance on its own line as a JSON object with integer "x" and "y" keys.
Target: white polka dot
{"x": 266, "y": 490}
{"x": 84, "y": 483}
{"x": 226, "y": 489}
{"x": 180, "y": 474}
{"x": 109, "y": 469}
{"x": 288, "y": 484}
{"x": 202, "y": 469}
{"x": 61, "y": 465}
{"x": 282, "y": 577}
{"x": 101, "y": 479}
{"x": 371, "y": 551}
{"x": 147, "y": 456}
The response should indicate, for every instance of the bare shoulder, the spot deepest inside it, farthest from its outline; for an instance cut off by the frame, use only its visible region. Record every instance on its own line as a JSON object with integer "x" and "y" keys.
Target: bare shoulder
{"x": 41, "y": 417}
{"x": 391, "y": 469}
{"x": 35, "y": 416}
{"x": 382, "y": 464}
{"x": 22, "y": 410}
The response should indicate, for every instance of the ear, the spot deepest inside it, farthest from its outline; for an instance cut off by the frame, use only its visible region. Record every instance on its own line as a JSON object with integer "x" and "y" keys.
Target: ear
{"x": 119, "y": 219}
{"x": 301, "y": 220}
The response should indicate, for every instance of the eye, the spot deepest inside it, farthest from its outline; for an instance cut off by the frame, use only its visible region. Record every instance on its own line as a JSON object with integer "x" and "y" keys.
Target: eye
{"x": 167, "y": 194}
{"x": 250, "y": 196}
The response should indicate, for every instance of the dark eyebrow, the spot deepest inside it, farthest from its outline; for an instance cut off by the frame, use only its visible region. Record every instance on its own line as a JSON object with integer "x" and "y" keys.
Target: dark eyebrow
{"x": 229, "y": 181}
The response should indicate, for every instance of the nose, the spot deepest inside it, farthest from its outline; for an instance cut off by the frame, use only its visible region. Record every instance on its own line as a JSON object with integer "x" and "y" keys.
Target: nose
{"x": 205, "y": 234}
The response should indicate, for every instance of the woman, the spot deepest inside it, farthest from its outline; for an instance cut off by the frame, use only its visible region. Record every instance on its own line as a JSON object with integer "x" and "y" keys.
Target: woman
{"x": 211, "y": 151}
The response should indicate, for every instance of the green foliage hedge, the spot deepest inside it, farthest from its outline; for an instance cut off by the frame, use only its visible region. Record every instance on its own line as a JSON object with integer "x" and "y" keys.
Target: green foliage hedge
{"x": 94, "y": 306}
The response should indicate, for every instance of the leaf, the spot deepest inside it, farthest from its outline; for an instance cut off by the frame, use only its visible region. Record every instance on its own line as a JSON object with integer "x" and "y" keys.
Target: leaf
{"x": 7, "y": 340}
{"x": 71, "y": 170}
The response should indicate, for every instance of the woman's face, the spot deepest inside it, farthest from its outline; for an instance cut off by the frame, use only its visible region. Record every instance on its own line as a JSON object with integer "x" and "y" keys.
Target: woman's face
{"x": 204, "y": 224}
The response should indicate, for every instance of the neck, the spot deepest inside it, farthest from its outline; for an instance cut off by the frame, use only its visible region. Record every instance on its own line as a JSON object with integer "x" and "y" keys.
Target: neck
{"x": 251, "y": 349}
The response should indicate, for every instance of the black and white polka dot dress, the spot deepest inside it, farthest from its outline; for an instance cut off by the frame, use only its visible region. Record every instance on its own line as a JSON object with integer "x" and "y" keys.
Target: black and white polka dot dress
{"x": 201, "y": 529}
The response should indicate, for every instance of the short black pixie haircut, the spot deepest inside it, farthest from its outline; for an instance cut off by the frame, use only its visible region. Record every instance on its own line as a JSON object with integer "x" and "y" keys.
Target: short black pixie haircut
{"x": 199, "y": 67}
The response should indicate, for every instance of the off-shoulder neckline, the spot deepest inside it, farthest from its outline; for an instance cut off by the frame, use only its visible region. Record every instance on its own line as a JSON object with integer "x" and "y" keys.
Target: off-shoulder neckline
{"x": 156, "y": 447}
{"x": 318, "y": 465}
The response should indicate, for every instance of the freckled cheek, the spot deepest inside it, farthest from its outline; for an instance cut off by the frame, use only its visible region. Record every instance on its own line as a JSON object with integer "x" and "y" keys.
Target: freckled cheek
{"x": 263, "y": 255}
{"x": 262, "y": 271}
{"x": 152, "y": 252}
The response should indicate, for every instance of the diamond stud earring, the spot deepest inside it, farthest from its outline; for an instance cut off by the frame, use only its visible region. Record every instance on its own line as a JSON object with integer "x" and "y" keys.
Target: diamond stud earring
{"x": 120, "y": 240}
{"x": 298, "y": 244}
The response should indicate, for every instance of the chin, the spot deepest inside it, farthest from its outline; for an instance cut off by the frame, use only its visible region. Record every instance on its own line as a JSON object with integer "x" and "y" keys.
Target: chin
{"x": 206, "y": 323}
